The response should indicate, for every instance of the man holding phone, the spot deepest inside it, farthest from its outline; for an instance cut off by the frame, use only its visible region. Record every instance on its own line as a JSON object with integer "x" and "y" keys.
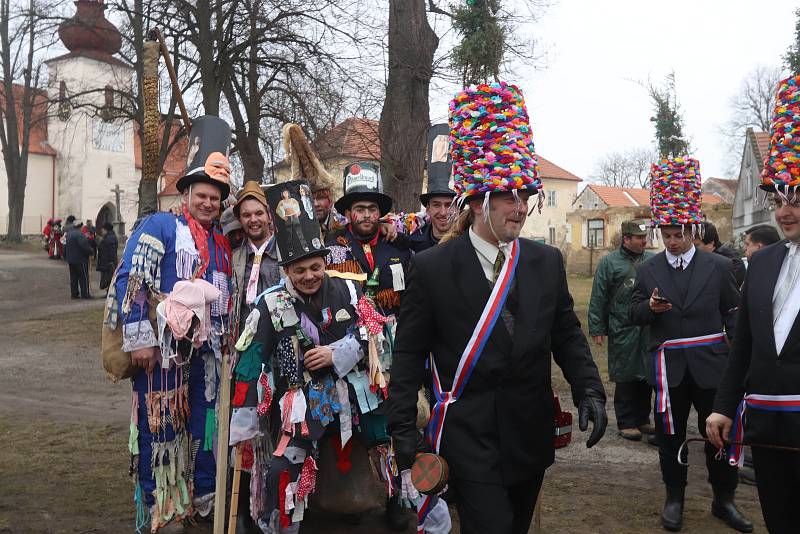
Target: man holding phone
{"x": 688, "y": 298}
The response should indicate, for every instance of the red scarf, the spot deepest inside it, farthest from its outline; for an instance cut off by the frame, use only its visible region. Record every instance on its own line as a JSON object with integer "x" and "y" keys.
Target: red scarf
{"x": 222, "y": 248}
{"x": 367, "y": 246}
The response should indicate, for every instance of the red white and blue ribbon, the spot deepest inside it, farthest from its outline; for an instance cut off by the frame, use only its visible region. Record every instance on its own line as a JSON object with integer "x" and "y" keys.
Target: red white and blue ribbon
{"x": 472, "y": 352}
{"x": 766, "y": 403}
{"x": 663, "y": 405}
{"x": 424, "y": 507}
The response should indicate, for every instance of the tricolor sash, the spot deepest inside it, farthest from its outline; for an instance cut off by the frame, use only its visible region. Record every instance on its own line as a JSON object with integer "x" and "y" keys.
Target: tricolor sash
{"x": 663, "y": 405}
{"x": 472, "y": 352}
{"x": 766, "y": 403}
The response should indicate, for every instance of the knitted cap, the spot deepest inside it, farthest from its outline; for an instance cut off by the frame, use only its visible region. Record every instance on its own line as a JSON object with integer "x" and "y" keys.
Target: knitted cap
{"x": 490, "y": 141}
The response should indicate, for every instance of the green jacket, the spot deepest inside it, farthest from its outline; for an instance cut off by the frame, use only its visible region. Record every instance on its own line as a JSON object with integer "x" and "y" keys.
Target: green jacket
{"x": 609, "y": 309}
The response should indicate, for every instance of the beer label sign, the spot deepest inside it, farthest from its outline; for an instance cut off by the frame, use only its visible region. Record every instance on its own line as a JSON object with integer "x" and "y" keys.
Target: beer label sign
{"x": 361, "y": 177}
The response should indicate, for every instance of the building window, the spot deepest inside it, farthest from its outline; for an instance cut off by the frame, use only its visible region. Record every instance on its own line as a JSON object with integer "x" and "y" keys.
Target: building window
{"x": 108, "y": 172}
{"x": 551, "y": 199}
{"x": 552, "y": 236}
{"x": 595, "y": 233}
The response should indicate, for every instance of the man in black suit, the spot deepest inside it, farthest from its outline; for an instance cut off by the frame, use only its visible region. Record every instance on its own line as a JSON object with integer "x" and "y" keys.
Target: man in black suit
{"x": 765, "y": 362}
{"x": 681, "y": 294}
{"x": 498, "y": 437}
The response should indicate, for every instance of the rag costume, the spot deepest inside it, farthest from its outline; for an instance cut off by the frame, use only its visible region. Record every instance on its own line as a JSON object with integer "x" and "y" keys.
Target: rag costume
{"x": 490, "y": 362}
{"x": 298, "y": 408}
{"x": 609, "y": 315}
{"x": 761, "y": 385}
{"x": 688, "y": 347}
{"x": 173, "y": 412}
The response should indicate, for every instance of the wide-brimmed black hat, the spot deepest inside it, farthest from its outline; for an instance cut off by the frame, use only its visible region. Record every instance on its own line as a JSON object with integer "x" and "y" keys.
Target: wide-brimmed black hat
{"x": 207, "y": 160}
{"x": 296, "y": 227}
{"x": 362, "y": 181}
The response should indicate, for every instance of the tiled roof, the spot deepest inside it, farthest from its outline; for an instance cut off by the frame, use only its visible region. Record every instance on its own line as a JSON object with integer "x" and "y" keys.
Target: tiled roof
{"x": 38, "y": 137}
{"x": 616, "y": 197}
{"x": 355, "y": 138}
{"x": 711, "y": 198}
{"x": 760, "y": 142}
{"x": 730, "y": 185}
{"x": 551, "y": 170}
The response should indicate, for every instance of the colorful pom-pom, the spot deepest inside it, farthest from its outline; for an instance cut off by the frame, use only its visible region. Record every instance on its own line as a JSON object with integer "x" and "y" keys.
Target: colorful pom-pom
{"x": 675, "y": 192}
{"x": 782, "y": 166}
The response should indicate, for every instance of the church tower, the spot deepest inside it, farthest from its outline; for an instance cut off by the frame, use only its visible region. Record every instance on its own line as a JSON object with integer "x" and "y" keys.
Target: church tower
{"x": 93, "y": 140}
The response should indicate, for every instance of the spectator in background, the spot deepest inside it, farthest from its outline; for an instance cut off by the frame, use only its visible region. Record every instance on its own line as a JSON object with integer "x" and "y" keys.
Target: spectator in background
{"x": 77, "y": 252}
{"x": 709, "y": 242}
{"x": 89, "y": 232}
{"x": 107, "y": 254}
{"x": 758, "y": 237}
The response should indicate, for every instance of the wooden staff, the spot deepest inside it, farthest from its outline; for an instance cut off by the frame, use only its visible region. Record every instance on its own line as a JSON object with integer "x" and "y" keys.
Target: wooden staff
{"x": 173, "y": 78}
{"x": 223, "y": 426}
{"x": 237, "y": 473}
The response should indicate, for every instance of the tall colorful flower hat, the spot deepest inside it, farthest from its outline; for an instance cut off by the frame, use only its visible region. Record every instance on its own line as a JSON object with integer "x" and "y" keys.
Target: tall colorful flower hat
{"x": 491, "y": 144}
{"x": 781, "y": 172}
{"x": 675, "y": 192}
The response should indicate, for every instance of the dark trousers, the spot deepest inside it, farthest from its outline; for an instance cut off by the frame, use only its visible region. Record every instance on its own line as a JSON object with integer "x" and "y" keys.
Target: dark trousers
{"x": 632, "y": 403}
{"x": 105, "y": 278}
{"x": 778, "y": 481}
{"x": 494, "y": 508}
{"x": 79, "y": 277}
{"x": 720, "y": 474}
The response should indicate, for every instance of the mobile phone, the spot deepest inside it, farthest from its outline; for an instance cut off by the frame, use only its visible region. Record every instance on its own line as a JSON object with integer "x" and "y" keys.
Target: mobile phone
{"x": 661, "y": 300}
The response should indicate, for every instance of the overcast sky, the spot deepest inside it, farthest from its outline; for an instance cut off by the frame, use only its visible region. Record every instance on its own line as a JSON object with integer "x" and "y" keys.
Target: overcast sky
{"x": 583, "y": 103}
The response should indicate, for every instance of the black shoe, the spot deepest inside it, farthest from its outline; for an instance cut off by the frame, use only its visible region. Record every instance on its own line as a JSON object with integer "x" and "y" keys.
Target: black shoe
{"x": 395, "y": 517}
{"x": 747, "y": 476}
{"x": 672, "y": 516}
{"x": 724, "y": 508}
{"x": 652, "y": 440}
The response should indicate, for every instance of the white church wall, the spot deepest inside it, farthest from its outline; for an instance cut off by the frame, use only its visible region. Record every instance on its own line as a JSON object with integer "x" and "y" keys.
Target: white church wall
{"x": 38, "y": 195}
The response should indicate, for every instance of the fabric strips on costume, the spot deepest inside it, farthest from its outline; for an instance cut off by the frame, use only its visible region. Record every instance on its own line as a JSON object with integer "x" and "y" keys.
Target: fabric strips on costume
{"x": 472, "y": 352}
{"x": 374, "y": 323}
{"x": 663, "y": 405}
{"x": 764, "y": 403}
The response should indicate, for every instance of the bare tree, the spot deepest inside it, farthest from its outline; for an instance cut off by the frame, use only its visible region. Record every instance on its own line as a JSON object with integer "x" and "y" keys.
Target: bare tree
{"x": 627, "y": 169}
{"x": 23, "y": 37}
{"x": 751, "y": 107}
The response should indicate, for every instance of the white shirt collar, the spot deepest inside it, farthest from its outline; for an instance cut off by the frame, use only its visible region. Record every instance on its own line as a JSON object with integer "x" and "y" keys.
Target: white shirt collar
{"x": 686, "y": 258}
{"x": 487, "y": 253}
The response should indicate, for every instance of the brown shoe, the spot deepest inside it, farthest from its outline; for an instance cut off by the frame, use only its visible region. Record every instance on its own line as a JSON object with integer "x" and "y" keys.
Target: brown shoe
{"x": 631, "y": 434}
{"x": 648, "y": 428}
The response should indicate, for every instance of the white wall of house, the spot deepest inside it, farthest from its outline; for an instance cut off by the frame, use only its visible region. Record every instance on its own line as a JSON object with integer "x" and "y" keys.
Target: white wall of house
{"x": 550, "y": 225}
{"x": 748, "y": 206}
{"x": 38, "y": 194}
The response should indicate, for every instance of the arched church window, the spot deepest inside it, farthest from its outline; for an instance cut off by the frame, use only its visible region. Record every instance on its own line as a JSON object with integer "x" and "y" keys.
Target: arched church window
{"x": 108, "y": 172}
{"x": 107, "y": 111}
{"x": 64, "y": 108}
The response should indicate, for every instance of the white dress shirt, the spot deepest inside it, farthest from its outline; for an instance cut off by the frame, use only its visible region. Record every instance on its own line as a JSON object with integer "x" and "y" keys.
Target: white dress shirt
{"x": 683, "y": 259}
{"x": 785, "y": 318}
{"x": 487, "y": 254}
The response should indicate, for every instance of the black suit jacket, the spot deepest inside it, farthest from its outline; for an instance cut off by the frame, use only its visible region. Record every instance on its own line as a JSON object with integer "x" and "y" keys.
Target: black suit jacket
{"x": 709, "y": 308}
{"x": 501, "y": 429}
{"x": 755, "y": 365}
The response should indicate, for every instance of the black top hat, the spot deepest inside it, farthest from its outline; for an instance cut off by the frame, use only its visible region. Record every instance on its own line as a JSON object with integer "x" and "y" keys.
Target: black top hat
{"x": 362, "y": 181}
{"x": 207, "y": 160}
{"x": 296, "y": 227}
{"x": 440, "y": 164}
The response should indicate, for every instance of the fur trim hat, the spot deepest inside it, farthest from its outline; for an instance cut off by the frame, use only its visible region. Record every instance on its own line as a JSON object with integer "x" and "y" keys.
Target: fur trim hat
{"x": 304, "y": 162}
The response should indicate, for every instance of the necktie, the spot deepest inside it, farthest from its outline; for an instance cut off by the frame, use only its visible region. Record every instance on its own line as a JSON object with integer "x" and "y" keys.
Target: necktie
{"x": 252, "y": 282}
{"x": 498, "y": 265}
{"x": 789, "y": 281}
{"x": 680, "y": 263}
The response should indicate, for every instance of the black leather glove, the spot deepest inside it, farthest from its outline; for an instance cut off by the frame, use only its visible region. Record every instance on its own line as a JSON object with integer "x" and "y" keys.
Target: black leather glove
{"x": 592, "y": 408}
{"x": 405, "y": 443}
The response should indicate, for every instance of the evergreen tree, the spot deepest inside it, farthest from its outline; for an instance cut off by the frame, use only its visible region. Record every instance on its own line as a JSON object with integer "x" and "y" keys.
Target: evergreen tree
{"x": 667, "y": 119}
{"x": 478, "y": 56}
{"x": 791, "y": 59}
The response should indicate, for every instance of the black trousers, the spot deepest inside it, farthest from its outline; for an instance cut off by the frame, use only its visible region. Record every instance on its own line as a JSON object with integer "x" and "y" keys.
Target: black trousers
{"x": 79, "y": 277}
{"x": 632, "y": 403}
{"x": 484, "y": 508}
{"x": 720, "y": 474}
{"x": 778, "y": 481}
{"x": 105, "y": 278}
